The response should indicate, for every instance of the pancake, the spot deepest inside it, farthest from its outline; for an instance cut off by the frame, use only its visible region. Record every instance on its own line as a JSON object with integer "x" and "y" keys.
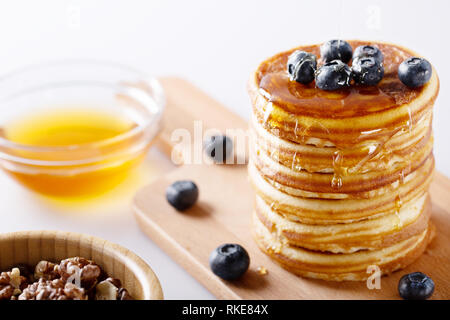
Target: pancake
{"x": 320, "y": 182}
{"x": 340, "y": 267}
{"x": 300, "y": 113}
{"x": 341, "y": 177}
{"x": 329, "y": 211}
{"x": 361, "y": 158}
{"x": 369, "y": 234}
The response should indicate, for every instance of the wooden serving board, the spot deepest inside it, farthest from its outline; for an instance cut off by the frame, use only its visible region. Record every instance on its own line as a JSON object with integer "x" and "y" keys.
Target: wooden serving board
{"x": 223, "y": 215}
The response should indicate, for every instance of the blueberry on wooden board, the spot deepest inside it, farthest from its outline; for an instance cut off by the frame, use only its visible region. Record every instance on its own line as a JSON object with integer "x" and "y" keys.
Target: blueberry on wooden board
{"x": 219, "y": 148}
{"x": 182, "y": 194}
{"x": 415, "y": 286}
{"x": 229, "y": 261}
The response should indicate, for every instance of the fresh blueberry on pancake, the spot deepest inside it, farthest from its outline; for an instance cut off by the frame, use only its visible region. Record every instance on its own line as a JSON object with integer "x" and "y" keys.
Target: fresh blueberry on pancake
{"x": 368, "y": 51}
{"x": 416, "y": 286}
{"x": 333, "y": 75}
{"x": 229, "y": 261}
{"x": 301, "y": 66}
{"x": 336, "y": 50}
{"x": 219, "y": 148}
{"x": 414, "y": 72}
{"x": 182, "y": 194}
{"x": 367, "y": 71}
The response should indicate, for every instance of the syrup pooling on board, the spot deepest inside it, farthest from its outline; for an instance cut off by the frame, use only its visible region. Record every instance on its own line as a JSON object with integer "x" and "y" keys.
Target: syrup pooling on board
{"x": 355, "y": 101}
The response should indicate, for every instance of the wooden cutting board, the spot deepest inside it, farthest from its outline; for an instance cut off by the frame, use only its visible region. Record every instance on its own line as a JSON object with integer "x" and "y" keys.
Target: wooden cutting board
{"x": 223, "y": 215}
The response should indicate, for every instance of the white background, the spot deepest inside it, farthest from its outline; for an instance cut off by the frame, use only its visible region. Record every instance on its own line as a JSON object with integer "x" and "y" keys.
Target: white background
{"x": 216, "y": 45}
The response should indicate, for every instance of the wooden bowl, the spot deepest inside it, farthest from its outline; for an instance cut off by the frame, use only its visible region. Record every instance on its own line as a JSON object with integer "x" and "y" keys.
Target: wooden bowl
{"x": 32, "y": 246}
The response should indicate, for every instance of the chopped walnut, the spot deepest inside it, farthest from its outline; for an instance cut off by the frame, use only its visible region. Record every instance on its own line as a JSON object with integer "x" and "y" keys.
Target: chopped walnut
{"x": 15, "y": 278}
{"x": 46, "y": 270}
{"x": 124, "y": 295}
{"x": 111, "y": 289}
{"x": 73, "y": 292}
{"x": 26, "y": 271}
{"x": 6, "y": 292}
{"x": 106, "y": 290}
{"x": 79, "y": 269}
{"x": 11, "y": 283}
{"x": 72, "y": 279}
{"x": 56, "y": 289}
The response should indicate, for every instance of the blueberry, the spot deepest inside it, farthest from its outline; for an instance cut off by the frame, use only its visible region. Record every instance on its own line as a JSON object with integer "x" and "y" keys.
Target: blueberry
{"x": 336, "y": 50}
{"x": 367, "y": 70}
{"x": 229, "y": 261}
{"x": 333, "y": 75}
{"x": 301, "y": 66}
{"x": 368, "y": 51}
{"x": 414, "y": 72}
{"x": 182, "y": 194}
{"x": 415, "y": 286}
{"x": 218, "y": 148}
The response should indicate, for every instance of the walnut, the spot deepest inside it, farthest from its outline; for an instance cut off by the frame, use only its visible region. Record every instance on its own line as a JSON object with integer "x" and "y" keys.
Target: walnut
{"x": 11, "y": 283}
{"x": 43, "y": 290}
{"x": 72, "y": 279}
{"x": 26, "y": 271}
{"x": 124, "y": 295}
{"x": 46, "y": 270}
{"x": 111, "y": 289}
{"x": 6, "y": 292}
{"x": 15, "y": 278}
{"x": 80, "y": 270}
{"x": 52, "y": 290}
{"x": 106, "y": 290}
{"x": 73, "y": 292}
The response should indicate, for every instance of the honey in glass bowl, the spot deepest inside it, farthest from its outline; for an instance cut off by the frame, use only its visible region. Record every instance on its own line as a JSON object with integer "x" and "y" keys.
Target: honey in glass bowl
{"x": 78, "y": 129}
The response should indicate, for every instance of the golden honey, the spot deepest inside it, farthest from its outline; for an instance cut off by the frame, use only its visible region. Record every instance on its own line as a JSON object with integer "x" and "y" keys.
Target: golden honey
{"x": 66, "y": 127}
{"x": 262, "y": 271}
{"x": 82, "y": 152}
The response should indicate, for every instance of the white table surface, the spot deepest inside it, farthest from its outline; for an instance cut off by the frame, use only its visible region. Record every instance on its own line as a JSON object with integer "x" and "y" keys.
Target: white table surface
{"x": 214, "y": 44}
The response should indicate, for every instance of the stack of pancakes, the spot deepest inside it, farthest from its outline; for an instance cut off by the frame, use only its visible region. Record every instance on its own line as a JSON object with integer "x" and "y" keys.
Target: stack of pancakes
{"x": 341, "y": 177}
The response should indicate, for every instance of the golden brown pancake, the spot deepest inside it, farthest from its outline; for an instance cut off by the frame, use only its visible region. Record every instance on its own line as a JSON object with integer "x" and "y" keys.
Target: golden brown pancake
{"x": 369, "y": 156}
{"x": 369, "y": 234}
{"x": 319, "y": 210}
{"x": 339, "y": 267}
{"x": 341, "y": 177}
{"x": 298, "y": 112}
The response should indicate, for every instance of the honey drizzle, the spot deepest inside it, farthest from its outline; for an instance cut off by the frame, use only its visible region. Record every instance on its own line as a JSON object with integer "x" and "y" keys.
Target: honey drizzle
{"x": 374, "y": 149}
{"x": 262, "y": 271}
{"x": 339, "y": 171}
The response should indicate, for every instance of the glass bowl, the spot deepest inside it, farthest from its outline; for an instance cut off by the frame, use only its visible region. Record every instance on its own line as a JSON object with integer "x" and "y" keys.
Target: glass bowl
{"x": 87, "y": 168}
